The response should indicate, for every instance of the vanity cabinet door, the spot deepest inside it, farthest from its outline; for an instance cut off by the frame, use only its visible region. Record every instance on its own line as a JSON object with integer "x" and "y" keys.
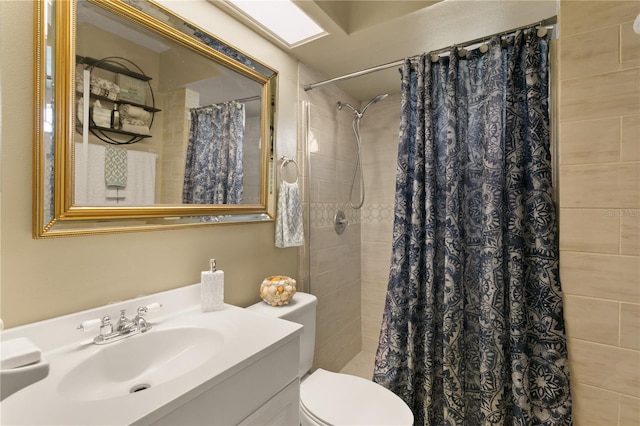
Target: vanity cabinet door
{"x": 282, "y": 409}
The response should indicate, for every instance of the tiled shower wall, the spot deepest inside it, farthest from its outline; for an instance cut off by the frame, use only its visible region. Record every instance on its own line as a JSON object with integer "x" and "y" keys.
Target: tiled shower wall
{"x": 600, "y": 207}
{"x": 380, "y": 127}
{"x": 334, "y": 270}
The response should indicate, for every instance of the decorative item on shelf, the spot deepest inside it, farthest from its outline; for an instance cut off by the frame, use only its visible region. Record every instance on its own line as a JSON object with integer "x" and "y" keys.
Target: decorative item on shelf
{"x": 115, "y": 117}
{"x": 100, "y": 116}
{"x": 131, "y": 89}
{"x": 277, "y": 290}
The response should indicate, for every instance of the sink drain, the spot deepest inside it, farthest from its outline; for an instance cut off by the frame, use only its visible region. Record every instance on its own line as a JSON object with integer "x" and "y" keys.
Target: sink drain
{"x": 139, "y": 388}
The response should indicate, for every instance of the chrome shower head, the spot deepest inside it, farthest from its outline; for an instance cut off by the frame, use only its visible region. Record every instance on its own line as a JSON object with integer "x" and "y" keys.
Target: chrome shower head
{"x": 373, "y": 101}
{"x": 359, "y": 114}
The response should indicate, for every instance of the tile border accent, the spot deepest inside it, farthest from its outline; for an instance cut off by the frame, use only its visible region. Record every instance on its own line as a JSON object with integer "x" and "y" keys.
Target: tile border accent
{"x": 377, "y": 213}
{"x": 323, "y": 214}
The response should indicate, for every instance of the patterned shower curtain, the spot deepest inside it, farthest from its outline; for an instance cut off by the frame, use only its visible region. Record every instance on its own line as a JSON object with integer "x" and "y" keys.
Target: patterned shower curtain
{"x": 473, "y": 330}
{"x": 213, "y": 169}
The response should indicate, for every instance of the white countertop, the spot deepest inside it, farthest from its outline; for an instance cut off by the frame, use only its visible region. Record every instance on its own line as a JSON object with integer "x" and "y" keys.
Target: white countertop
{"x": 247, "y": 337}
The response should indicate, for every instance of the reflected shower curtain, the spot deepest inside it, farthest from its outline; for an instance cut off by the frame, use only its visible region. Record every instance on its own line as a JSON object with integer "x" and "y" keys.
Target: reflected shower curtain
{"x": 473, "y": 329}
{"x": 213, "y": 168}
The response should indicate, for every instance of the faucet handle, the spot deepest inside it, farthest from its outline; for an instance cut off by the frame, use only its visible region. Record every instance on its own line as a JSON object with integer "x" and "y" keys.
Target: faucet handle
{"x": 93, "y": 323}
{"x": 149, "y": 308}
{"x": 89, "y": 324}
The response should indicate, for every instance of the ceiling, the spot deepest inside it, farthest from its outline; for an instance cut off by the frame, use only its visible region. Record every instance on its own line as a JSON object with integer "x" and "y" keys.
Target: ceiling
{"x": 364, "y": 34}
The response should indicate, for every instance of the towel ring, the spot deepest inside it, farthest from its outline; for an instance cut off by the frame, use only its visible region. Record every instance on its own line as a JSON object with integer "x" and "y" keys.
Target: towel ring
{"x": 284, "y": 161}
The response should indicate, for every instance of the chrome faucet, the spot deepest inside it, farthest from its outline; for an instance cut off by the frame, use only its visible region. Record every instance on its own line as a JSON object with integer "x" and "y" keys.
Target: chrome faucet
{"x": 127, "y": 326}
{"x": 124, "y": 327}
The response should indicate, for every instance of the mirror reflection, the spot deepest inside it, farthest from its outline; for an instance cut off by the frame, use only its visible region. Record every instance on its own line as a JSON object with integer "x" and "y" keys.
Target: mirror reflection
{"x": 145, "y": 121}
{"x": 157, "y": 122}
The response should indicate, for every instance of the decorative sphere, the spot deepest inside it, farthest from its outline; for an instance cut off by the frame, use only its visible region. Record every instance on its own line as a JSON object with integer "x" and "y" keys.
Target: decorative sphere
{"x": 277, "y": 290}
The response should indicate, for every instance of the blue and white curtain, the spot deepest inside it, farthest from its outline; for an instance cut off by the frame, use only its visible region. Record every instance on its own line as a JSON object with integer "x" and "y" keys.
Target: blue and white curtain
{"x": 213, "y": 169}
{"x": 473, "y": 330}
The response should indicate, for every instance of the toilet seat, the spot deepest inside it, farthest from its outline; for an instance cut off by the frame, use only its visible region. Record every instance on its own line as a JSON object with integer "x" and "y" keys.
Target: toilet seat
{"x": 341, "y": 399}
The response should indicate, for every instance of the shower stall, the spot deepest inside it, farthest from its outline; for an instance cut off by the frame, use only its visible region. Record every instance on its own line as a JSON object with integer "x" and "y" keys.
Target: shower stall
{"x": 348, "y": 272}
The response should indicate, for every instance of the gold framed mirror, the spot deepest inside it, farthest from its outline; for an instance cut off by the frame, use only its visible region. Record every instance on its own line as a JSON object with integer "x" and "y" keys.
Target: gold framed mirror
{"x": 144, "y": 121}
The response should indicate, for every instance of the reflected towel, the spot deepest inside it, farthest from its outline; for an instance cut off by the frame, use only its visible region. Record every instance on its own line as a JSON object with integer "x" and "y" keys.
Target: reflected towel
{"x": 134, "y": 126}
{"x": 134, "y": 112}
{"x": 92, "y": 191}
{"x": 115, "y": 167}
{"x": 289, "y": 225}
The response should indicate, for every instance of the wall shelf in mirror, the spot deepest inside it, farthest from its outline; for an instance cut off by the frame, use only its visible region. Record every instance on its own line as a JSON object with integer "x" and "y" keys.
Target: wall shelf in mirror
{"x": 130, "y": 110}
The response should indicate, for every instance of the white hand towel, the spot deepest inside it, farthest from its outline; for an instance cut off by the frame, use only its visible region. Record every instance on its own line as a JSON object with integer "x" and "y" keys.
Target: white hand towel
{"x": 289, "y": 225}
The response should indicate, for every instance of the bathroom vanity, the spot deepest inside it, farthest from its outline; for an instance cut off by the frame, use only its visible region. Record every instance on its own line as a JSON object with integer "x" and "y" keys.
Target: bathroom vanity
{"x": 218, "y": 368}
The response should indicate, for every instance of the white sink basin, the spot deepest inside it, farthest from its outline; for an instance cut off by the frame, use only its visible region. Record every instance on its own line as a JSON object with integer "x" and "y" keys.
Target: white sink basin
{"x": 192, "y": 367}
{"x": 141, "y": 362}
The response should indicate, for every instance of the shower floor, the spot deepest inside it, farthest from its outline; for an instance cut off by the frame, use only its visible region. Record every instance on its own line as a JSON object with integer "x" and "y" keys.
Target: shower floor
{"x": 361, "y": 365}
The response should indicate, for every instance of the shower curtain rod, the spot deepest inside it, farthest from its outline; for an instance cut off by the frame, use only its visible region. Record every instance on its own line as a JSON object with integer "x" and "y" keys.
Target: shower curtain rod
{"x": 549, "y": 24}
{"x": 249, "y": 99}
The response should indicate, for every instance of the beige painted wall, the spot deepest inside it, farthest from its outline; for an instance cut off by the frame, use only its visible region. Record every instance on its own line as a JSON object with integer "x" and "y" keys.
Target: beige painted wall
{"x": 45, "y": 278}
{"x": 600, "y": 207}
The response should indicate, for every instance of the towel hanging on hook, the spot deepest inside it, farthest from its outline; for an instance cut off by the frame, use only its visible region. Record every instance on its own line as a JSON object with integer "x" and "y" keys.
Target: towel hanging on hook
{"x": 289, "y": 221}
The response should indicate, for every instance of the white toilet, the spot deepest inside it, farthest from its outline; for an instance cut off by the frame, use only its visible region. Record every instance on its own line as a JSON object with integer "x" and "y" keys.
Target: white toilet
{"x": 328, "y": 398}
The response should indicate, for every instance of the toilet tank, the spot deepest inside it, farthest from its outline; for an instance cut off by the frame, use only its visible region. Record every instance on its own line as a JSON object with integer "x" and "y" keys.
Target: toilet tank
{"x": 302, "y": 310}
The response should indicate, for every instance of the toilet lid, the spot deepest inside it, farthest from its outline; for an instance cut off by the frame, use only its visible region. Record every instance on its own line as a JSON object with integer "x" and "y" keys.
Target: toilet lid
{"x": 342, "y": 399}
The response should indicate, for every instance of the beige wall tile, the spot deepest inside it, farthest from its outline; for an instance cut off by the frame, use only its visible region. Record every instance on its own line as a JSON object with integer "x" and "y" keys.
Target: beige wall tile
{"x": 588, "y": 230}
{"x": 374, "y": 294}
{"x": 607, "y": 367}
{"x": 324, "y": 237}
{"x": 381, "y": 232}
{"x": 589, "y": 53}
{"x": 327, "y": 191}
{"x": 370, "y": 334}
{"x": 345, "y": 344}
{"x": 629, "y": 45}
{"x": 629, "y": 411}
{"x": 335, "y": 310}
{"x": 630, "y": 232}
{"x": 599, "y": 108}
{"x": 630, "y": 148}
{"x": 630, "y": 326}
{"x": 323, "y": 167}
{"x": 593, "y": 406}
{"x": 586, "y": 15}
{"x": 592, "y": 141}
{"x": 338, "y": 323}
{"x": 600, "y": 276}
{"x": 361, "y": 366}
{"x": 591, "y": 319}
{"x": 601, "y": 186}
{"x": 375, "y": 271}
{"x": 377, "y": 252}
{"x": 373, "y": 300}
{"x": 604, "y": 95}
